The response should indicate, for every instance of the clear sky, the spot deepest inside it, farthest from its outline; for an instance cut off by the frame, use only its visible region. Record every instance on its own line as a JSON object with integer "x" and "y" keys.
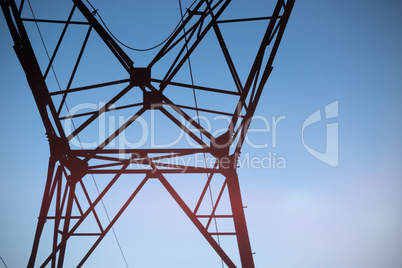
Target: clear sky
{"x": 304, "y": 213}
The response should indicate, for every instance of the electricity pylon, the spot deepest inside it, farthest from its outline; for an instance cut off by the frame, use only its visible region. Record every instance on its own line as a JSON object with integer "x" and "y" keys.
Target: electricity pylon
{"x": 154, "y": 89}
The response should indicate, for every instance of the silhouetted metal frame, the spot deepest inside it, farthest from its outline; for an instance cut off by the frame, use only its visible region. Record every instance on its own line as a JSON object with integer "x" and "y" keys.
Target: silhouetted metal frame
{"x": 67, "y": 167}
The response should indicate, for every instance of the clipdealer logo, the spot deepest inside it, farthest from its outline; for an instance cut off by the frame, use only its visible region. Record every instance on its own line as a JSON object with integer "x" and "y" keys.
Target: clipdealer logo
{"x": 145, "y": 135}
{"x": 331, "y": 154}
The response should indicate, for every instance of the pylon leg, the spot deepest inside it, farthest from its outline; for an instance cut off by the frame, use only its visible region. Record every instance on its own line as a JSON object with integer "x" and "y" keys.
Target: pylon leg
{"x": 239, "y": 219}
{"x": 67, "y": 219}
{"x": 58, "y": 211}
{"x": 47, "y": 197}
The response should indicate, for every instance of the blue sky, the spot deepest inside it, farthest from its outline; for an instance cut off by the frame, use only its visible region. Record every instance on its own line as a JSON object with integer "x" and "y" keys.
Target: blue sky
{"x": 308, "y": 214}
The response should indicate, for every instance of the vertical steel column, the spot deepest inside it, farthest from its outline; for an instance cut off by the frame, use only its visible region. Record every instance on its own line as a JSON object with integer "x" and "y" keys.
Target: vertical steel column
{"x": 239, "y": 219}
{"x": 66, "y": 227}
{"x": 46, "y": 200}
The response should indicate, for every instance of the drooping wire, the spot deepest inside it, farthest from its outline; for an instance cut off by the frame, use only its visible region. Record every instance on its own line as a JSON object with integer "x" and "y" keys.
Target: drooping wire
{"x": 96, "y": 12}
{"x": 198, "y": 119}
{"x": 78, "y": 138}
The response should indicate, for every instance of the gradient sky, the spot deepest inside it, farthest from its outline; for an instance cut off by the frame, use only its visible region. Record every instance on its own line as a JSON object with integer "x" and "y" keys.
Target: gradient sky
{"x": 307, "y": 215}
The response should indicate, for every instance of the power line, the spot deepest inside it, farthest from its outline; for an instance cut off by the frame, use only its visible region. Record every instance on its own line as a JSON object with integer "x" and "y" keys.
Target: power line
{"x": 96, "y": 12}
{"x": 3, "y": 262}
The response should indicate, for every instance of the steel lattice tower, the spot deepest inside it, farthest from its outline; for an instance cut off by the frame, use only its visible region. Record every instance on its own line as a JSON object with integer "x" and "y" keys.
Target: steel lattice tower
{"x": 140, "y": 92}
